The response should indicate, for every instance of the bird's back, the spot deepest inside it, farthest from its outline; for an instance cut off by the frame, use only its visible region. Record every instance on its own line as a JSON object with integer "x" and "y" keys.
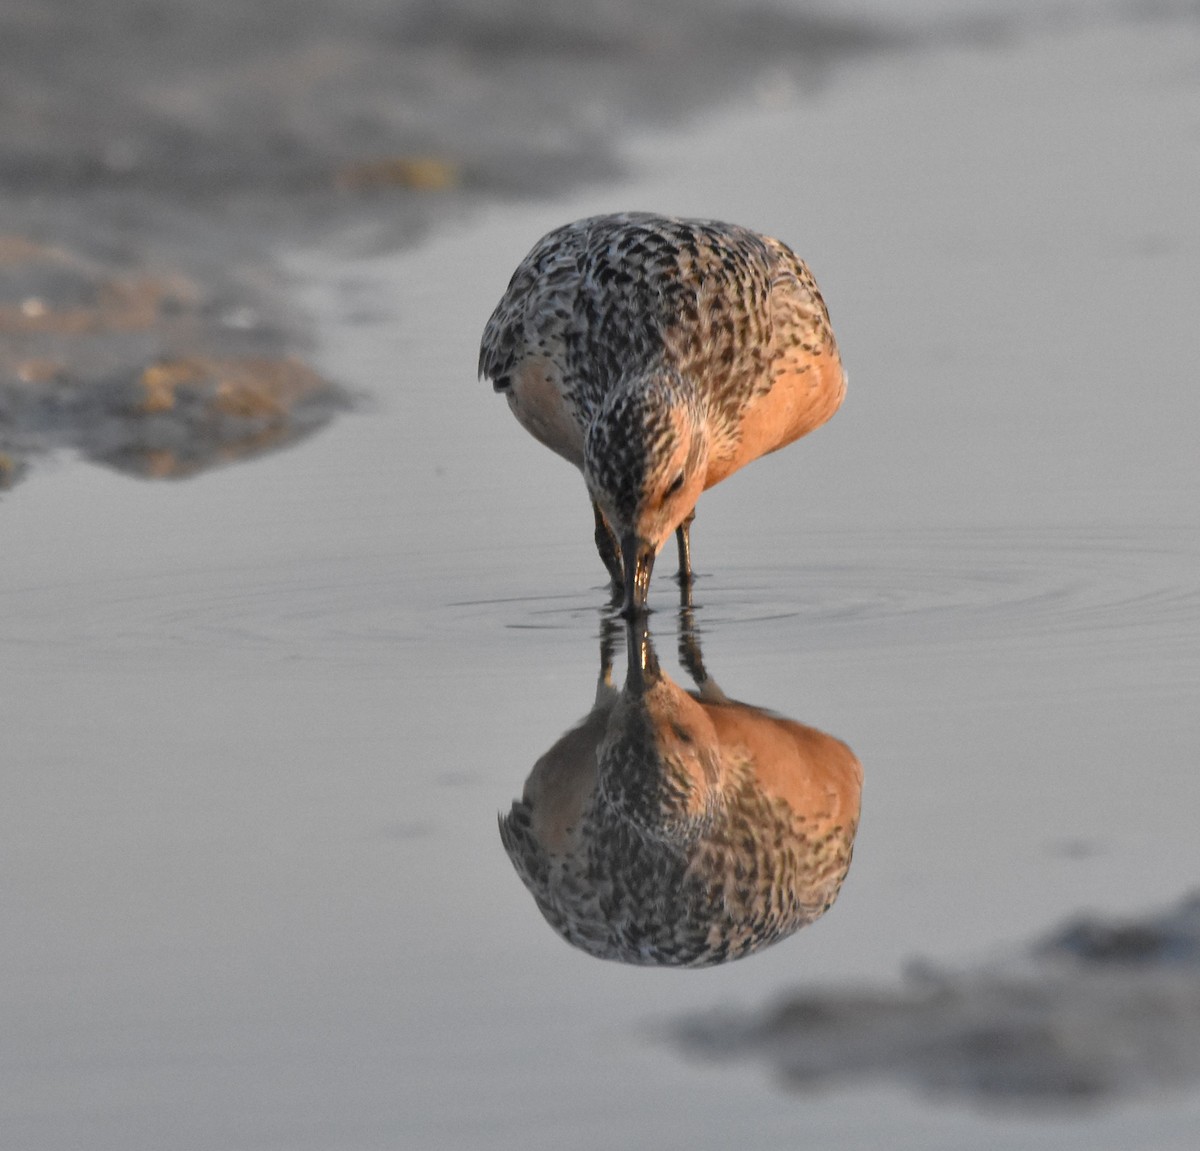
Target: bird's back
{"x": 607, "y": 297}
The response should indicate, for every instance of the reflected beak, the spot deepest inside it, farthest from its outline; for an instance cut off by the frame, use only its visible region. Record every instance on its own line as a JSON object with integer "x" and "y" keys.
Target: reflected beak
{"x": 638, "y": 560}
{"x": 643, "y": 672}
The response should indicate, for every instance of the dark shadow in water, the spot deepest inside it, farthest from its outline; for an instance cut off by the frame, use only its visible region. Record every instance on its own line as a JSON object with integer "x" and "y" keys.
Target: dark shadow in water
{"x": 677, "y": 828}
{"x": 1095, "y": 1011}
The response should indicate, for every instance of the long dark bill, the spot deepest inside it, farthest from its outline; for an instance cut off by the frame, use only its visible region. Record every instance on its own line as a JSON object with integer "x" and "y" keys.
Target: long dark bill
{"x": 643, "y": 672}
{"x": 638, "y": 559}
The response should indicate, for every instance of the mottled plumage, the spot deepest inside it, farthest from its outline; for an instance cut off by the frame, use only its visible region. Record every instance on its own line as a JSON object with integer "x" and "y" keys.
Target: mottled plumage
{"x": 659, "y": 355}
{"x": 682, "y": 829}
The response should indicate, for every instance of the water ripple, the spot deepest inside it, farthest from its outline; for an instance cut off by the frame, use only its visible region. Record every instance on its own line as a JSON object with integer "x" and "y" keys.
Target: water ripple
{"x": 1137, "y": 590}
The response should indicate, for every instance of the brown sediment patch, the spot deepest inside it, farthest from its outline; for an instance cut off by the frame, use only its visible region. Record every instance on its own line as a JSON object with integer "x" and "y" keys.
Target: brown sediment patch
{"x": 141, "y": 369}
{"x": 20, "y": 250}
{"x": 119, "y": 305}
{"x": 188, "y": 414}
{"x": 253, "y": 388}
{"x": 64, "y": 293}
{"x": 422, "y": 173}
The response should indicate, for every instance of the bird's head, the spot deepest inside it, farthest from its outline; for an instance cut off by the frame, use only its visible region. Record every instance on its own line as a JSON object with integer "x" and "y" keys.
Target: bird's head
{"x": 645, "y": 460}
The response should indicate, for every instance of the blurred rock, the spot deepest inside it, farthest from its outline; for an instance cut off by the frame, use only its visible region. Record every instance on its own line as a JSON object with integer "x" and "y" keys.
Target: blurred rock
{"x": 115, "y": 367}
{"x": 1096, "y": 1011}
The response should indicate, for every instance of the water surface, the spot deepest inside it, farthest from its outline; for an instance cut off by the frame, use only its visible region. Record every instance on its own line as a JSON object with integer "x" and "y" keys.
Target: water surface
{"x": 257, "y": 726}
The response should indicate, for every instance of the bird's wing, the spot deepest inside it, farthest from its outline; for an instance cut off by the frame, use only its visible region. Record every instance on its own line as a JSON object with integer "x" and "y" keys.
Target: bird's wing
{"x": 536, "y": 307}
{"x": 799, "y": 318}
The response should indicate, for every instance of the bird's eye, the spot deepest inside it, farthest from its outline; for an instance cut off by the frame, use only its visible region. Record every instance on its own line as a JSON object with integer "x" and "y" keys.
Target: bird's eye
{"x": 676, "y": 484}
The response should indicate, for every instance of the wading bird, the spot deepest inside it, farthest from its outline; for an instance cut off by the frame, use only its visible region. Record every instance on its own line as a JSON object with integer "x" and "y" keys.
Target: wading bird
{"x": 659, "y": 355}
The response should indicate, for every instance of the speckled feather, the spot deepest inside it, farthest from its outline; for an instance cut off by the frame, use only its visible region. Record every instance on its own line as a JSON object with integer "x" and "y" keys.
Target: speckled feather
{"x": 679, "y": 829}
{"x": 656, "y": 881}
{"x": 610, "y": 296}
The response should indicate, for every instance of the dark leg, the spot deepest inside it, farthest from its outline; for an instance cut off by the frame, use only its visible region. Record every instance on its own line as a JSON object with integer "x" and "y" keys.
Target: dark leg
{"x": 692, "y": 659}
{"x": 689, "y": 647}
{"x": 683, "y": 537}
{"x": 609, "y": 549}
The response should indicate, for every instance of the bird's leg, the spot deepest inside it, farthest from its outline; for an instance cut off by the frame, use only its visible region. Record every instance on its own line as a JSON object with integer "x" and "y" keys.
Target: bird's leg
{"x": 683, "y": 537}
{"x": 609, "y": 548}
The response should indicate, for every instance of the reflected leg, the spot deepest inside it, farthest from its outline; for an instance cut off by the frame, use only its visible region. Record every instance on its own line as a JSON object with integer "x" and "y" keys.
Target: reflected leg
{"x": 692, "y": 658}
{"x": 610, "y": 629}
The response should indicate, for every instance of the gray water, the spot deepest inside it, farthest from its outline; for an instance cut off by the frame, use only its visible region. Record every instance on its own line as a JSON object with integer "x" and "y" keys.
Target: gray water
{"x": 257, "y": 725}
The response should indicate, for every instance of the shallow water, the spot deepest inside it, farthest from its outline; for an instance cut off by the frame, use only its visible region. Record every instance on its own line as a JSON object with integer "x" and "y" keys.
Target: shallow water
{"x": 258, "y": 725}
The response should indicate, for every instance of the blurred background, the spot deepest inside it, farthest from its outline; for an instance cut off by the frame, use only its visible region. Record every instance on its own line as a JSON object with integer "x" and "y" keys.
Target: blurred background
{"x": 256, "y": 724}
{"x": 156, "y": 154}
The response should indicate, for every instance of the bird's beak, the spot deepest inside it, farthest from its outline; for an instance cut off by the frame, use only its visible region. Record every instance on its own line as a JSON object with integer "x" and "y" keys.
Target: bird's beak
{"x": 638, "y": 558}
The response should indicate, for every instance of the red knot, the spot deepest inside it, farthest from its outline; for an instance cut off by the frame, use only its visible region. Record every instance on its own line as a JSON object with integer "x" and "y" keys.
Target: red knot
{"x": 680, "y": 828}
{"x": 659, "y": 355}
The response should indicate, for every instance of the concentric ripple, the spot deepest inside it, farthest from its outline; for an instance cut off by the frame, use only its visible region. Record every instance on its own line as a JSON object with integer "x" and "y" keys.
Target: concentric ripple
{"x": 1137, "y": 590}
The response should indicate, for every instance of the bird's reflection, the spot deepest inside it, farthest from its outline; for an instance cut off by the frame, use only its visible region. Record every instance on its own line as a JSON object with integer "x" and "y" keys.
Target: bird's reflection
{"x": 681, "y": 828}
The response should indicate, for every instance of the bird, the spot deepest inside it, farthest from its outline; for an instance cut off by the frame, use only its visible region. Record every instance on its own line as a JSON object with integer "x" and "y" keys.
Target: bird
{"x": 659, "y": 355}
{"x": 683, "y": 829}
